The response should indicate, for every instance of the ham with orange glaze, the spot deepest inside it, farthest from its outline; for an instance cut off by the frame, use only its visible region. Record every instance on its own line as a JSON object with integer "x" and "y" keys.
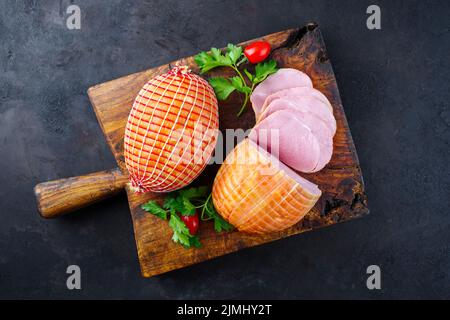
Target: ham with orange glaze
{"x": 257, "y": 193}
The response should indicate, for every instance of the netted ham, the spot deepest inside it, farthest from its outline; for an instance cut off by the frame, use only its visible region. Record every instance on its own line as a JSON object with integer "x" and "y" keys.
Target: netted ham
{"x": 171, "y": 131}
{"x": 257, "y": 193}
{"x": 283, "y": 79}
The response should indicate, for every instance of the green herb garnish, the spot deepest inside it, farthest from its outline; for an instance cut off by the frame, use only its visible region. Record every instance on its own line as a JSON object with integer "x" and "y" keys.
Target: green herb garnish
{"x": 186, "y": 202}
{"x": 233, "y": 57}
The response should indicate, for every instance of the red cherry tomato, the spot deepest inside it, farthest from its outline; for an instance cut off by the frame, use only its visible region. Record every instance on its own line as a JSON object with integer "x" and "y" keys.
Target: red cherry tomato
{"x": 191, "y": 222}
{"x": 257, "y": 51}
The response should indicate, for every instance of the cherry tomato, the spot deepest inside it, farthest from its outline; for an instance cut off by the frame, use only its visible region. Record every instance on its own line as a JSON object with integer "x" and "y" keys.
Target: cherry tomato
{"x": 191, "y": 222}
{"x": 257, "y": 51}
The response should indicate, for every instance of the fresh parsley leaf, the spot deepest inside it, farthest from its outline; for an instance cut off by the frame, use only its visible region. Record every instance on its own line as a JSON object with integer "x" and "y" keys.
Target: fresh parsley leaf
{"x": 194, "y": 241}
{"x": 181, "y": 232}
{"x": 192, "y": 193}
{"x": 219, "y": 56}
{"x": 154, "y": 208}
{"x": 215, "y": 58}
{"x": 180, "y": 202}
{"x": 185, "y": 197}
{"x": 219, "y": 223}
{"x": 222, "y": 87}
{"x": 181, "y": 238}
{"x": 234, "y": 53}
{"x": 240, "y": 85}
{"x": 233, "y": 57}
{"x": 189, "y": 208}
{"x": 249, "y": 75}
{"x": 263, "y": 70}
{"x": 173, "y": 204}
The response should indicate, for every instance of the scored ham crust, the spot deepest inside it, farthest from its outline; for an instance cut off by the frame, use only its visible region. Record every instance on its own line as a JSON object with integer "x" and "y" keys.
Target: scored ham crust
{"x": 258, "y": 194}
{"x": 171, "y": 131}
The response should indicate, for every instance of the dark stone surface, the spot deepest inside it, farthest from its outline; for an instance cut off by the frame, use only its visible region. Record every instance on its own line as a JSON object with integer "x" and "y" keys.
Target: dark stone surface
{"x": 394, "y": 86}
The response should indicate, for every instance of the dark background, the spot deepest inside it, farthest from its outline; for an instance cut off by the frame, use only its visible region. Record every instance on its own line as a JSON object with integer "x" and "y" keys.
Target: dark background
{"x": 394, "y": 84}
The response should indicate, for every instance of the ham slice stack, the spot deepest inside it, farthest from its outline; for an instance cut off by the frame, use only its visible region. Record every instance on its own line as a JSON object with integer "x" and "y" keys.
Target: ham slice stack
{"x": 301, "y": 116}
{"x": 255, "y": 189}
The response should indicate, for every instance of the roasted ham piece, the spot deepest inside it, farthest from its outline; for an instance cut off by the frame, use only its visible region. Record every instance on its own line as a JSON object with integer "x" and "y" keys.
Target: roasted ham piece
{"x": 171, "y": 131}
{"x": 257, "y": 193}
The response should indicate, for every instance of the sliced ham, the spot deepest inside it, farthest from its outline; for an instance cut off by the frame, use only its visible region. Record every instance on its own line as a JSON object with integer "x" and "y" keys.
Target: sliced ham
{"x": 255, "y": 189}
{"x": 303, "y": 104}
{"x": 258, "y": 194}
{"x": 323, "y": 135}
{"x": 297, "y": 91}
{"x": 286, "y": 135}
{"x": 283, "y": 79}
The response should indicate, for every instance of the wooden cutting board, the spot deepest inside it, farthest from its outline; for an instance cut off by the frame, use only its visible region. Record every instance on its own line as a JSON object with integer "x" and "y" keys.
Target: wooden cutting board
{"x": 341, "y": 181}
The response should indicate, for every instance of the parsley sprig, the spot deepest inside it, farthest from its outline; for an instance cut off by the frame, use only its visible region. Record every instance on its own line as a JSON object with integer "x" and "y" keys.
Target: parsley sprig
{"x": 209, "y": 213}
{"x": 181, "y": 233}
{"x": 186, "y": 202}
{"x": 233, "y": 57}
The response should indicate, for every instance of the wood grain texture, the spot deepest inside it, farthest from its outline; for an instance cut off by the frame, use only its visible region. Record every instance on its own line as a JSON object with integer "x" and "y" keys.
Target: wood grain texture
{"x": 341, "y": 180}
{"x": 58, "y": 197}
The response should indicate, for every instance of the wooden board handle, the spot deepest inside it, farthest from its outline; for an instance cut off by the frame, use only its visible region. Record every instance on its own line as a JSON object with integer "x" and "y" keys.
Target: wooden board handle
{"x": 61, "y": 196}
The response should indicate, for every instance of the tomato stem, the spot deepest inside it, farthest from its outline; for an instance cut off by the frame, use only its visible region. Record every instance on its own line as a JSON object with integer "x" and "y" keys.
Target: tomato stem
{"x": 243, "y": 60}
